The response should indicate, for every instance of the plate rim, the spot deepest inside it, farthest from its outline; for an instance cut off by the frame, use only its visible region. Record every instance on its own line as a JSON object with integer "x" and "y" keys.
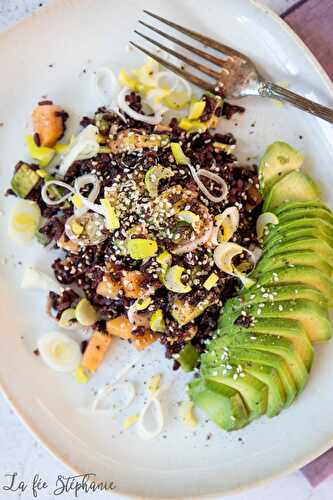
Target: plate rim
{"x": 15, "y": 405}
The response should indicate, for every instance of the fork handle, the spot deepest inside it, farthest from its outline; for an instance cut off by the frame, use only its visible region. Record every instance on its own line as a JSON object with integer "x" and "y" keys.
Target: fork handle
{"x": 272, "y": 90}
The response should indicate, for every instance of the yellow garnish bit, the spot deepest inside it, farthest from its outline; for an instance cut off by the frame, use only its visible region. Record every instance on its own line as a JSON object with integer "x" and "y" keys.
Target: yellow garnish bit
{"x": 154, "y": 383}
{"x": 129, "y": 421}
{"x": 178, "y": 154}
{"x": 112, "y": 221}
{"x": 141, "y": 249}
{"x": 43, "y": 154}
{"x": 196, "y": 110}
{"x": 77, "y": 228}
{"x": 186, "y": 414}
{"x": 61, "y": 148}
{"x": 42, "y": 173}
{"x": 77, "y": 201}
{"x": 142, "y": 304}
{"x": 127, "y": 81}
{"x": 157, "y": 323}
{"x": 81, "y": 375}
{"x": 211, "y": 281}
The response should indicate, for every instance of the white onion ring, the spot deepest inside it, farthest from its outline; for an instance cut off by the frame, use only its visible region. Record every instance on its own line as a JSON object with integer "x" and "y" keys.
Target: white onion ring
{"x": 80, "y": 183}
{"x": 142, "y": 431}
{"x": 210, "y": 175}
{"x": 123, "y": 105}
{"x": 177, "y": 81}
{"x": 47, "y": 199}
{"x": 190, "y": 246}
{"x": 102, "y": 393}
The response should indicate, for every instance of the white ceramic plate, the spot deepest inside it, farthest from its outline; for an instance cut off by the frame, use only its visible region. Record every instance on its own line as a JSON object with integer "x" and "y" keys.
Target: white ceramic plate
{"x": 76, "y": 37}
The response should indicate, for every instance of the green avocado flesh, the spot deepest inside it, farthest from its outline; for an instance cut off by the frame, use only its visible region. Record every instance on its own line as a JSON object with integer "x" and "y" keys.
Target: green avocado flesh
{"x": 188, "y": 357}
{"x": 317, "y": 245}
{"x": 262, "y": 349}
{"x": 278, "y": 160}
{"x": 295, "y": 186}
{"x": 290, "y": 259}
{"x": 222, "y": 404}
{"x": 307, "y": 275}
{"x": 24, "y": 180}
{"x": 295, "y": 235}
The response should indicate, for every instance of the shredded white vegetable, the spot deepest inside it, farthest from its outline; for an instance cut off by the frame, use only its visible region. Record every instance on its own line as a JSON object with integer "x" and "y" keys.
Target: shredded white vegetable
{"x": 107, "y": 87}
{"x": 126, "y": 389}
{"x": 196, "y": 174}
{"x": 153, "y": 405}
{"x": 124, "y": 106}
{"x": 85, "y": 146}
{"x": 33, "y": 278}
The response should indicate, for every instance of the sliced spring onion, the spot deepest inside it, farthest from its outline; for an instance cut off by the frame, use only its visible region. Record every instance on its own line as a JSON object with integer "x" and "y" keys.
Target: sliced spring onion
{"x": 112, "y": 220}
{"x": 229, "y": 220}
{"x": 211, "y": 281}
{"x": 41, "y": 153}
{"x": 223, "y": 256}
{"x": 157, "y": 323}
{"x": 180, "y": 91}
{"x": 192, "y": 126}
{"x": 125, "y": 392}
{"x": 77, "y": 201}
{"x": 196, "y": 109}
{"x": 153, "y": 405}
{"x": 165, "y": 260}
{"x": 204, "y": 227}
{"x": 186, "y": 414}
{"x": 61, "y": 148}
{"x": 141, "y": 248}
{"x": 24, "y": 221}
{"x": 196, "y": 174}
{"x": 33, "y": 278}
{"x": 93, "y": 229}
{"x": 49, "y": 184}
{"x": 107, "y": 86}
{"x": 127, "y": 81}
{"x": 178, "y": 154}
{"x": 59, "y": 352}
{"x": 142, "y": 303}
{"x": 173, "y": 280}
{"x": 85, "y": 313}
{"x": 66, "y": 317}
{"x": 189, "y": 217}
{"x": 153, "y": 177}
{"x": 124, "y": 106}
{"x": 263, "y": 221}
{"x": 84, "y": 146}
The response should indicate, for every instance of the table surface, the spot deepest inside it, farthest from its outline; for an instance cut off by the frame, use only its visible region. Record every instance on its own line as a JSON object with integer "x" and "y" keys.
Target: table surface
{"x": 20, "y": 452}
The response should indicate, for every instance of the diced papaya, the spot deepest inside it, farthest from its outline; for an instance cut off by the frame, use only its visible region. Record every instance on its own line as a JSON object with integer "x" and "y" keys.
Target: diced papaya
{"x": 96, "y": 350}
{"x": 131, "y": 282}
{"x": 48, "y": 123}
{"x": 143, "y": 341}
{"x": 109, "y": 287}
{"x": 122, "y": 327}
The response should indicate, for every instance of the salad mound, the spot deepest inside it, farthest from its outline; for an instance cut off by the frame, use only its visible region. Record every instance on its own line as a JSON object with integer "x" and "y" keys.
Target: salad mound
{"x": 158, "y": 236}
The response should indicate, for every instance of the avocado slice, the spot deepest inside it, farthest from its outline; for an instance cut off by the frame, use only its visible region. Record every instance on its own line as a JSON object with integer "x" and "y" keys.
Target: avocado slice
{"x": 286, "y": 207}
{"x": 222, "y": 404}
{"x": 317, "y": 245}
{"x": 24, "y": 180}
{"x": 313, "y": 317}
{"x": 278, "y": 160}
{"x": 289, "y": 329}
{"x": 266, "y": 343}
{"x": 290, "y": 259}
{"x": 320, "y": 226}
{"x": 307, "y": 275}
{"x": 306, "y": 213}
{"x": 282, "y": 292}
{"x": 297, "y": 235}
{"x": 253, "y": 392}
{"x": 295, "y": 186}
{"x": 262, "y": 366}
{"x": 188, "y": 357}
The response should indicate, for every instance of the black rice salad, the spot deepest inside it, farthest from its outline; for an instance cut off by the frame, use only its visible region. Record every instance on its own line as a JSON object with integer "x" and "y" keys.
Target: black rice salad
{"x": 134, "y": 226}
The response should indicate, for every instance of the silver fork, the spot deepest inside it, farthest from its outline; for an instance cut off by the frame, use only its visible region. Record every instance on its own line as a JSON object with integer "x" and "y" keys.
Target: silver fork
{"x": 234, "y": 75}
